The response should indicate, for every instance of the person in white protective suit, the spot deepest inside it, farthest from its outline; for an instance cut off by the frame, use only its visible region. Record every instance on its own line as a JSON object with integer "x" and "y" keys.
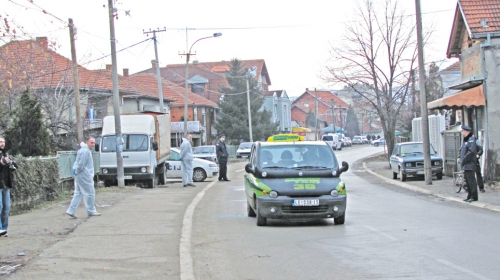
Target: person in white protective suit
{"x": 187, "y": 162}
{"x": 83, "y": 170}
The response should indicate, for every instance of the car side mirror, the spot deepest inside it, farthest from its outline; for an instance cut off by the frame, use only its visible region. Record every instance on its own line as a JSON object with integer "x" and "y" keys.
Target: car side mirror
{"x": 155, "y": 146}
{"x": 249, "y": 168}
{"x": 345, "y": 167}
{"x": 96, "y": 147}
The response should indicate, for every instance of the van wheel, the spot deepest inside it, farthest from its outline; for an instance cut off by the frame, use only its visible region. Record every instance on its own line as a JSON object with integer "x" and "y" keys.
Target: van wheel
{"x": 163, "y": 174}
{"x": 439, "y": 176}
{"x": 250, "y": 211}
{"x": 108, "y": 183}
{"x": 261, "y": 221}
{"x": 340, "y": 220}
{"x": 394, "y": 175}
{"x": 151, "y": 183}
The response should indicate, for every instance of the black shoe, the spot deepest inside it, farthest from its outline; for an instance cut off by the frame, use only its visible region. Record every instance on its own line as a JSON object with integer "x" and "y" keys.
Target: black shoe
{"x": 466, "y": 200}
{"x": 470, "y": 200}
{"x": 481, "y": 189}
{"x": 3, "y": 232}
{"x": 220, "y": 180}
{"x": 184, "y": 186}
{"x": 190, "y": 185}
{"x": 227, "y": 180}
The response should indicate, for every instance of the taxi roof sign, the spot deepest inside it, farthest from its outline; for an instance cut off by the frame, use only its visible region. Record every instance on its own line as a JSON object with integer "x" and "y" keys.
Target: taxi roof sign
{"x": 285, "y": 138}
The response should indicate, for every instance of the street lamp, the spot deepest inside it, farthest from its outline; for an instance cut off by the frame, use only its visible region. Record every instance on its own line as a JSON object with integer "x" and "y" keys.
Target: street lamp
{"x": 250, "y": 74}
{"x": 188, "y": 54}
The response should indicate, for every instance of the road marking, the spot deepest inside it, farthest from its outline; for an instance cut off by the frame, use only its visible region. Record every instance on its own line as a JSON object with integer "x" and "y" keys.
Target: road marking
{"x": 186, "y": 260}
{"x": 381, "y": 233}
{"x": 464, "y": 270}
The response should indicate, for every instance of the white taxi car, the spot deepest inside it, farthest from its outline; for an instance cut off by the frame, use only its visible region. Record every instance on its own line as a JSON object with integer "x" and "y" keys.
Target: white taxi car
{"x": 202, "y": 168}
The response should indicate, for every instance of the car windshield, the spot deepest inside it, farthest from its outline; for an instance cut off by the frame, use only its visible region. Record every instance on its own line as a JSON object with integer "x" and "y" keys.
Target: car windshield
{"x": 245, "y": 145}
{"x": 131, "y": 142}
{"x": 416, "y": 148}
{"x": 204, "y": 150}
{"x": 327, "y": 138}
{"x": 297, "y": 157}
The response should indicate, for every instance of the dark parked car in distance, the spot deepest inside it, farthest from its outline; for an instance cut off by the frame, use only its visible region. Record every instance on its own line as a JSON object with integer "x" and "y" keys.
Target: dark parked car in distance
{"x": 407, "y": 160}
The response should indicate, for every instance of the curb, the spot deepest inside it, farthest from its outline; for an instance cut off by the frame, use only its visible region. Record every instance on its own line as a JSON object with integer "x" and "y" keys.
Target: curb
{"x": 424, "y": 191}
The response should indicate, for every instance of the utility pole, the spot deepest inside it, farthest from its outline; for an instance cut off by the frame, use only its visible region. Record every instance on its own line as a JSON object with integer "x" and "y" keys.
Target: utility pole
{"x": 333, "y": 114}
{"x": 157, "y": 63}
{"x": 76, "y": 84}
{"x": 248, "y": 102}
{"x": 423, "y": 98}
{"x": 116, "y": 98}
{"x": 315, "y": 115}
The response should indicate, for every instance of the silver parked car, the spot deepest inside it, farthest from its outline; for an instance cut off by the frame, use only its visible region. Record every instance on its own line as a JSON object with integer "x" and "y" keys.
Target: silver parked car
{"x": 205, "y": 152}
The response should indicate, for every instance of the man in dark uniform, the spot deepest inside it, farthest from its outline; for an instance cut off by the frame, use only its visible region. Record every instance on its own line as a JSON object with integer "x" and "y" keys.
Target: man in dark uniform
{"x": 468, "y": 162}
{"x": 222, "y": 155}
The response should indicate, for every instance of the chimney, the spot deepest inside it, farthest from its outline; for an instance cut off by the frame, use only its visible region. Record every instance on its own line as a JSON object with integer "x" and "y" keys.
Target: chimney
{"x": 43, "y": 42}
{"x": 108, "y": 66}
{"x": 125, "y": 72}
{"x": 307, "y": 89}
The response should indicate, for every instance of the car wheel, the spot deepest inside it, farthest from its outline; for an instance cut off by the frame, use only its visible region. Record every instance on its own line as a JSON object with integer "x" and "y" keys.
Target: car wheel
{"x": 439, "y": 176}
{"x": 163, "y": 174}
{"x": 340, "y": 220}
{"x": 250, "y": 211}
{"x": 199, "y": 175}
{"x": 375, "y": 144}
{"x": 261, "y": 221}
{"x": 402, "y": 176}
{"x": 394, "y": 175}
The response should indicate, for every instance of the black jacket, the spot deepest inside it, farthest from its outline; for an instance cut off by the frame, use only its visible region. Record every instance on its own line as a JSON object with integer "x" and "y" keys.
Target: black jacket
{"x": 468, "y": 152}
{"x": 220, "y": 149}
{"x": 6, "y": 172}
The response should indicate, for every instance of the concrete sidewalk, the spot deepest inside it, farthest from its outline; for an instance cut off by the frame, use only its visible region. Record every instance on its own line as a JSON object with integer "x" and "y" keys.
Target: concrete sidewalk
{"x": 378, "y": 165}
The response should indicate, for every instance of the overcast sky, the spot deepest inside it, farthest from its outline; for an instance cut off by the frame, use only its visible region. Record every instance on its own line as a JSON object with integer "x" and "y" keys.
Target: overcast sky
{"x": 292, "y": 36}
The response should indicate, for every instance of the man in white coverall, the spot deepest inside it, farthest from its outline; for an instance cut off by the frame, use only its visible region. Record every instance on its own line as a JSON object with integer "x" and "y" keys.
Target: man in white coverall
{"x": 83, "y": 169}
{"x": 187, "y": 162}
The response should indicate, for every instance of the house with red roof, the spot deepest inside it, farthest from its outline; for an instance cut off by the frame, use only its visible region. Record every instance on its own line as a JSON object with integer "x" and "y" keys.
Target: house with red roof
{"x": 330, "y": 108}
{"x": 475, "y": 40}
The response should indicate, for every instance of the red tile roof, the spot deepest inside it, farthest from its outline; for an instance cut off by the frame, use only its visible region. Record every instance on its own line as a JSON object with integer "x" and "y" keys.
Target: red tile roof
{"x": 31, "y": 63}
{"x": 454, "y": 67}
{"x": 477, "y": 10}
{"x": 147, "y": 84}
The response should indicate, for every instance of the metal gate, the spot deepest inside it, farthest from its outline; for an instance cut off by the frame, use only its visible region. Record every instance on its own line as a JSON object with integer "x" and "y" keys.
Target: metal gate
{"x": 452, "y": 143}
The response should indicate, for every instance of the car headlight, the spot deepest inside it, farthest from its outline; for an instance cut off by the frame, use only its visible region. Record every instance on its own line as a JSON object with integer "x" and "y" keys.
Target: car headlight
{"x": 273, "y": 194}
{"x": 264, "y": 174}
{"x": 408, "y": 164}
{"x": 212, "y": 165}
{"x": 334, "y": 172}
{"x": 104, "y": 171}
{"x": 437, "y": 163}
{"x": 143, "y": 169}
{"x": 334, "y": 193}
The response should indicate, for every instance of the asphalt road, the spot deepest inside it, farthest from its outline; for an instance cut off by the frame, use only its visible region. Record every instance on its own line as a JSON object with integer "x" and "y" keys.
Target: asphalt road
{"x": 390, "y": 233}
{"x": 173, "y": 232}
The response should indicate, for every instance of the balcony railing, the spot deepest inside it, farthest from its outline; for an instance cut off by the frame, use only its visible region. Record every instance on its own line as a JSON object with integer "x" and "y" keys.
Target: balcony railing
{"x": 92, "y": 124}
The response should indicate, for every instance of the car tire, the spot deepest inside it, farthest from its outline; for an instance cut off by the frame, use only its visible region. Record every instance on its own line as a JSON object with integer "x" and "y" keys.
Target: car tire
{"x": 339, "y": 220}
{"x": 108, "y": 183}
{"x": 394, "y": 175}
{"x": 261, "y": 221}
{"x": 250, "y": 211}
{"x": 375, "y": 144}
{"x": 199, "y": 175}
{"x": 439, "y": 176}
{"x": 152, "y": 183}
{"x": 402, "y": 176}
{"x": 163, "y": 174}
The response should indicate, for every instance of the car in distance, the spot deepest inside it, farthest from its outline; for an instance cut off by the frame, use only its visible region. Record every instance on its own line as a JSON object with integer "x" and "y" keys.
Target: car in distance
{"x": 348, "y": 142}
{"x": 332, "y": 140}
{"x": 294, "y": 180}
{"x": 407, "y": 160}
{"x": 202, "y": 168}
{"x": 377, "y": 142}
{"x": 205, "y": 152}
{"x": 244, "y": 149}
{"x": 357, "y": 140}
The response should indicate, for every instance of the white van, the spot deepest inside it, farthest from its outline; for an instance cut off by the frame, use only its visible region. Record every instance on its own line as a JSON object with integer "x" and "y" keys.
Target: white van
{"x": 332, "y": 140}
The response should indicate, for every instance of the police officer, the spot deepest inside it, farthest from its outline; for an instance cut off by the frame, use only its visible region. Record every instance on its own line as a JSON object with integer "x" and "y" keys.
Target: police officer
{"x": 468, "y": 162}
{"x": 222, "y": 155}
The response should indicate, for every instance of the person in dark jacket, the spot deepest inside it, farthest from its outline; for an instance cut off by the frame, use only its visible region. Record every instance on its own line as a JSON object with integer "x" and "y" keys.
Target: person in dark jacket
{"x": 7, "y": 168}
{"x": 222, "y": 156}
{"x": 479, "y": 176}
{"x": 468, "y": 162}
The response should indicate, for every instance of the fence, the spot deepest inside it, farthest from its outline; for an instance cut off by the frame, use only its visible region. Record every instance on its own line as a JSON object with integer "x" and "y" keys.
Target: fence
{"x": 66, "y": 161}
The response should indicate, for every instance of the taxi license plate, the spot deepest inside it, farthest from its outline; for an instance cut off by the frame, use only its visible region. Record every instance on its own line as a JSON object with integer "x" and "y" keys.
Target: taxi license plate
{"x": 128, "y": 177}
{"x": 305, "y": 202}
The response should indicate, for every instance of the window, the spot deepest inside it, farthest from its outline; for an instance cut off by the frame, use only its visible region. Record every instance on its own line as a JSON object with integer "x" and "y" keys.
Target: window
{"x": 132, "y": 142}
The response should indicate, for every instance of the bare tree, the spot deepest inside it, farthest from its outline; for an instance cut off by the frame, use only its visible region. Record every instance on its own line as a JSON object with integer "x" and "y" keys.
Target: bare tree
{"x": 378, "y": 50}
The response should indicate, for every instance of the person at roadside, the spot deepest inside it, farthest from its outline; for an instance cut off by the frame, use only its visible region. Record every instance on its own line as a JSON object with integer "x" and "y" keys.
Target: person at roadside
{"x": 222, "y": 156}
{"x": 83, "y": 170}
{"x": 187, "y": 161}
{"x": 479, "y": 176}
{"x": 7, "y": 182}
{"x": 468, "y": 162}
